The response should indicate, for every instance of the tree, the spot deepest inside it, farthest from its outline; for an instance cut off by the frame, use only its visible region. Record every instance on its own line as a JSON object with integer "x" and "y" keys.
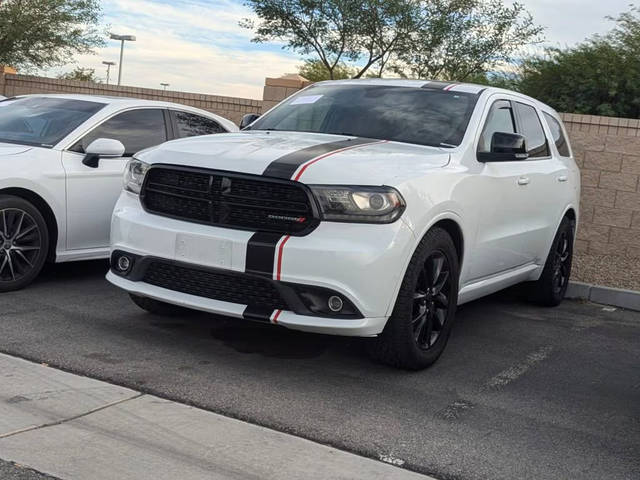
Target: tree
{"x": 463, "y": 38}
{"x": 45, "y": 33}
{"x": 600, "y": 76}
{"x": 435, "y": 38}
{"x": 316, "y": 71}
{"x": 81, "y": 74}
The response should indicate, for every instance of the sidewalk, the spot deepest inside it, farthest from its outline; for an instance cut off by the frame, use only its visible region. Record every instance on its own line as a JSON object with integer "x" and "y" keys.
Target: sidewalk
{"x": 73, "y": 427}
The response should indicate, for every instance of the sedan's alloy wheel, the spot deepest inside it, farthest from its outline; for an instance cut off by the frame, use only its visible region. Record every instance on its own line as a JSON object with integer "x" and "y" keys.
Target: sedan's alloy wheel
{"x": 20, "y": 244}
{"x": 431, "y": 300}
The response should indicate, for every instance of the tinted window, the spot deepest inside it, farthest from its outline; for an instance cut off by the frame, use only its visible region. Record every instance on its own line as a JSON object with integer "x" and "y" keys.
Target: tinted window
{"x": 403, "y": 114}
{"x": 532, "y": 130}
{"x": 558, "y": 136}
{"x": 136, "y": 129}
{"x": 191, "y": 125}
{"x": 42, "y": 121}
{"x": 500, "y": 119}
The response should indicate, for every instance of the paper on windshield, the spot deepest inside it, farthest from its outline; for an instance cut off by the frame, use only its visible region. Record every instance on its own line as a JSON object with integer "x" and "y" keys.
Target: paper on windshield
{"x": 306, "y": 99}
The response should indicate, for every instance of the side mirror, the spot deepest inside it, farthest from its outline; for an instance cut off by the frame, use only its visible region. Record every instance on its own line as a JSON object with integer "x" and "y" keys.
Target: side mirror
{"x": 248, "y": 119}
{"x": 102, "y": 148}
{"x": 505, "y": 147}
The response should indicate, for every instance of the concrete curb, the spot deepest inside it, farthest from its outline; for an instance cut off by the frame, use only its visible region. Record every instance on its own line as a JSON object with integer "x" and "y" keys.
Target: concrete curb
{"x": 616, "y": 297}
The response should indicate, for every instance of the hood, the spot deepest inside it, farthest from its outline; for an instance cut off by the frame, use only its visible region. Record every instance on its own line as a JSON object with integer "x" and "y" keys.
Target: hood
{"x": 308, "y": 157}
{"x": 13, "y": 149}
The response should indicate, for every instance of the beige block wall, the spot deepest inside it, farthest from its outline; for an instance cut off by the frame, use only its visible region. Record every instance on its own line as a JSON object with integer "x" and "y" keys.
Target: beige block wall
{"x": 231, "y": 108}
{"x": 608, "y": 153}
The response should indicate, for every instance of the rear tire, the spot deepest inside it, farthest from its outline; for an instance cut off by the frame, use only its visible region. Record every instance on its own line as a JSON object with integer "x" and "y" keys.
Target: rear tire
{"x": 419, "y": 327}
{"x": 24, "y": 243}
{"x": 552, "y": 285}
{"x": 157, "y": 307}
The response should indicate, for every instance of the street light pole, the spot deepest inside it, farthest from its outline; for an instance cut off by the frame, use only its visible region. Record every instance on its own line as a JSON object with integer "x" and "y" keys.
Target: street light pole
{"x": 122, "y": 38}
{"x": 108, "y": 64}
{"x": 164, "y": 85}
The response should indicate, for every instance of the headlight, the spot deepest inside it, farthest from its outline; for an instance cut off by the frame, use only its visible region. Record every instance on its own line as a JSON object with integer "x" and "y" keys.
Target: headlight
{"x": 359, "y": 204}
{"x": 134, "y": 175}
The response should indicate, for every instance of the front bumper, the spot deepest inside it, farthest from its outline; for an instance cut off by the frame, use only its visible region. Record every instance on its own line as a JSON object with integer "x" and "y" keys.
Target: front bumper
{"x": 362, "y": 263}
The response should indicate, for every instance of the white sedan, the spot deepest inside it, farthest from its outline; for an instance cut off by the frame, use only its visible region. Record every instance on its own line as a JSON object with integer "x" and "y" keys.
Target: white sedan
{"x": 367, "y": 208}
{"x": 61, "y": 164}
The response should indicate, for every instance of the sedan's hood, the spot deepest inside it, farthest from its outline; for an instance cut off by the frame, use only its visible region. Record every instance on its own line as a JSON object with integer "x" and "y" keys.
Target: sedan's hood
{"x": 13, "y": 149}
{"x": 310, "y": 157}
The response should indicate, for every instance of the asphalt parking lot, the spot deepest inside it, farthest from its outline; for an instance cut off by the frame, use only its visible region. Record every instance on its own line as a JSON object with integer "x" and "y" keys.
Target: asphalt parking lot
{"x": 520, "y": 392}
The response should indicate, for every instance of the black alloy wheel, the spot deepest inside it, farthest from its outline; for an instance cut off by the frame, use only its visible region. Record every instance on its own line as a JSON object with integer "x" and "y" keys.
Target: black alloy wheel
{"x": 431, "y": 300}
{"x": 550, "y": 288}
{"x": 562, "y": 263}
{"x": 24, "y": 243}
{"x": 418, "y": 330}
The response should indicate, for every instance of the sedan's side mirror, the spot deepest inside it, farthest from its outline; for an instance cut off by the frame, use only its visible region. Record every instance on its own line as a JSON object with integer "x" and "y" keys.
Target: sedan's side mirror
{"x": 248, "y": 119}
{"x": 102, "y": 148}
{"x": 505, "y": 147}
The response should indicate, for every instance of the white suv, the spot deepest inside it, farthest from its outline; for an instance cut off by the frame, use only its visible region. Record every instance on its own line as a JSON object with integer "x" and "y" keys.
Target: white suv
{"x": 61, "y": 164}
{"x": 366, "y": 208}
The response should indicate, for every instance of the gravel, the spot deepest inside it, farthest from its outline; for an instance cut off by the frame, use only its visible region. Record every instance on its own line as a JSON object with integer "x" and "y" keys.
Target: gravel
{"x": 607, "y": 271}
{"x": 15, "y": 471}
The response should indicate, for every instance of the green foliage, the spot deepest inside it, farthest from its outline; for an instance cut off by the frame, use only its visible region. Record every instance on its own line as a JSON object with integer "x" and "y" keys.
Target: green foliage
{"x": 599, "y": 77}
{"x": 316, "y": 71}
{"x": 413, "y": 38}
{"x": 81, "y": 74}
{"x": 461, "y": 38}
{"x": 44, "y": 33}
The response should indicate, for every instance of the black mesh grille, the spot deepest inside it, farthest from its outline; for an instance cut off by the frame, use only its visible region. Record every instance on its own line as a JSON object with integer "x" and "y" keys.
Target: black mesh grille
{"x": 235, "y": 201}
{"x": 227, "y": 287}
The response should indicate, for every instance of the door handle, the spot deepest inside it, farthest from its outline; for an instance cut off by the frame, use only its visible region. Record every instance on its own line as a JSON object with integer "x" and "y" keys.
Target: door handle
{"x": 524, "y": 181}
{"x": 563, "y": 178}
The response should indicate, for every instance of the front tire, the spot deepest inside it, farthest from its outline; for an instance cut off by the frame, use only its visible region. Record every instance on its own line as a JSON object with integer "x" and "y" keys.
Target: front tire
{"x": 552, "y": 285}
{"x": 24, "y": 243}
{"x": 157, "y": 307}
{"x": 419, "y": 327}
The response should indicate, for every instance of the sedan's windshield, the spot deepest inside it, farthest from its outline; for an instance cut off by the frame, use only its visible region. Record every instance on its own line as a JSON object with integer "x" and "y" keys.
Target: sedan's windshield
{"x": 403, "y": 114}
{"x": 42, "y": 121}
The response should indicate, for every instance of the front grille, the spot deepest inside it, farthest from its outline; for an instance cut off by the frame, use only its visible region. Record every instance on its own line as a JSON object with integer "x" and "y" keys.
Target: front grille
{"x": 230, "y": 200}
{"x": 227, "y": 287}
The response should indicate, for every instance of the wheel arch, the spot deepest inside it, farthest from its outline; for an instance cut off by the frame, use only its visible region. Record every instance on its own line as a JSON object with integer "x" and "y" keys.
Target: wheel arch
{"x": 44, "y": 208}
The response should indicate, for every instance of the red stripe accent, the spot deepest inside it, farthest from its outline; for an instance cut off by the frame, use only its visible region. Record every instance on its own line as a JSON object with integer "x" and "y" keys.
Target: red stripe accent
{"x": 279, "y": 268}
{"x": 450, "y": 87}
{"x": 275, "y": 317}
{"x": 308, "y": 164}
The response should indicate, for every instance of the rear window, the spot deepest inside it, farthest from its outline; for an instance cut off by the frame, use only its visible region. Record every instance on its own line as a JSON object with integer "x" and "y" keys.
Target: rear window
{"x": 558, "y": 135}
{"x": 42, "y": 121}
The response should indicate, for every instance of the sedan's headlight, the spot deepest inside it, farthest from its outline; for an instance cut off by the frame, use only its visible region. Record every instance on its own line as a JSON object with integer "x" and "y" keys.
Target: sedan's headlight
{"x": 359, "y": 204}
{"x": 134, "y": 175}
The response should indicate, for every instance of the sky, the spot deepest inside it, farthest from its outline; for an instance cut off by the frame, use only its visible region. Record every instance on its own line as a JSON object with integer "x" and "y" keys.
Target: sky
{"x": 198, "y": 46}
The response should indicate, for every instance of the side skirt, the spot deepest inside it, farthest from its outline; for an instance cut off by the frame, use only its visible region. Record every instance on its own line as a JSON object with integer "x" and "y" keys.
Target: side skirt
{"x": 500, "y": 281}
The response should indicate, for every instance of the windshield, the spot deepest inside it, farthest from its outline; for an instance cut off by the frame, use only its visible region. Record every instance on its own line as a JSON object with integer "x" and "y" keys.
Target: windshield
{"x": 42, "y": 121}
{"x": 403, "y": 114}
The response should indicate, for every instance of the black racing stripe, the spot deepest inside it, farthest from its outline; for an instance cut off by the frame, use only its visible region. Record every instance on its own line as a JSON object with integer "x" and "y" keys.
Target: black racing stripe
{"x": 261, "y": 253}
{"x": 286, "y": 166}
{"x": 260, "y": 314}
{"x": 437, "y": 85}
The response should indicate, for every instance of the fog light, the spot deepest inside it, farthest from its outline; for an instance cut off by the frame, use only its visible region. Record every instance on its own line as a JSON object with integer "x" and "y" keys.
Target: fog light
{"x": 123, "y": 263}
{"x": 335, "y": 303}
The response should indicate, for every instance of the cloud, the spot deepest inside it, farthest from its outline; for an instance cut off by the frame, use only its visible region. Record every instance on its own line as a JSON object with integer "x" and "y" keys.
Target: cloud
{"x": 194, "y": 46}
